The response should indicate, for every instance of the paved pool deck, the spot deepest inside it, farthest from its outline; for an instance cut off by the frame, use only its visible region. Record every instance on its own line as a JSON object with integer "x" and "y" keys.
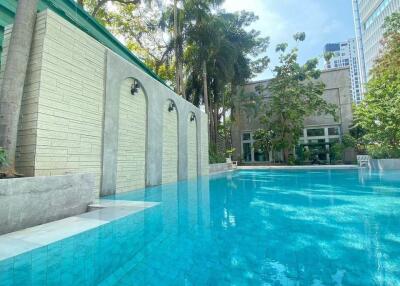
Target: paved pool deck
{"x": 305, "y": 167}
{"x": 103, "y": 212}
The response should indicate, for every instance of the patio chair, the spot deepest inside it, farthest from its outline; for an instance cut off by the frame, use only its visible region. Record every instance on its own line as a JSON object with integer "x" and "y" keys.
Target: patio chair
{"x": 362, "y": 160}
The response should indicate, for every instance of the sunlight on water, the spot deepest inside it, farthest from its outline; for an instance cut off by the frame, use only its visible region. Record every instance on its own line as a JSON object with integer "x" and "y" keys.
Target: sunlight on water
{"x": 333, "y": 227}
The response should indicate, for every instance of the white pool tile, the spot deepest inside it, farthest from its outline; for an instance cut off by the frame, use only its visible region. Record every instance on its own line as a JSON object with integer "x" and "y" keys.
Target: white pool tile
{"x": 10, "y": 247}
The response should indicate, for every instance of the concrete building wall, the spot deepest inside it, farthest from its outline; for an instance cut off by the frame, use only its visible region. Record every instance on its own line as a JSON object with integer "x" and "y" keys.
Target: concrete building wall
{"x": 337, "y": 91}
{"x": 131, "y": 166}
{"x": 192, "y": 147}
{"x": 169, "y": 144}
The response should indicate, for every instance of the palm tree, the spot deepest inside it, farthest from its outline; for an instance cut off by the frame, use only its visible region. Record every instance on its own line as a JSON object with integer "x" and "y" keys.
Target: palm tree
{"x": 14, "y": 77}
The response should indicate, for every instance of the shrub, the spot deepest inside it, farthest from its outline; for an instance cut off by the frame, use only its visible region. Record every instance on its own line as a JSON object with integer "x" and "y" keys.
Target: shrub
{"x": 382, "y": 152}
{"x": 3, "y": 157}
{"x": 291, "y": 160}
{"x": 336, "y": 152}
{"x": 349, "y": 141}
{"x": 215, "y": 156}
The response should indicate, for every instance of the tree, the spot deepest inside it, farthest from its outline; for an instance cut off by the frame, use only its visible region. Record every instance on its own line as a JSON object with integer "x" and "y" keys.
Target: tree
{"x": 14, "y": 77}
{"x": 222, "y": 54}
{"x": 263, "y": 141}
{"x": 379, "y": 113}
{"x": 295, "y": 93}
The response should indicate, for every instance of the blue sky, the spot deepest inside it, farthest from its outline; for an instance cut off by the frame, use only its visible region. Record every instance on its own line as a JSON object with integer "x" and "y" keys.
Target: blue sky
{"x": 323, "y": 21}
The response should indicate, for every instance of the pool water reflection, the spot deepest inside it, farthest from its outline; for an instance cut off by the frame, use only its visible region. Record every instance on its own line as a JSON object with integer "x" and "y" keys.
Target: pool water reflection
{"x": 328, "y": 227}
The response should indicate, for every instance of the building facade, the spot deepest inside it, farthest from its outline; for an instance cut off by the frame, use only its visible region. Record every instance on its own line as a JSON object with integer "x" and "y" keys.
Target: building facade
{"x": 317, "y": 129}
{"x": 345, "y": 55}
{"x": 369, "y": 16}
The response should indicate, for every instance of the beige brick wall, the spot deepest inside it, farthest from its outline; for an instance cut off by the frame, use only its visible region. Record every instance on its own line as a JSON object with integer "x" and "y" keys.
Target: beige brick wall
{"x": 26, "y": 141}
{"x": 131, "y": 139}
{"x": 70, "y": 114}
{"x": 204, "y": 145}
{"x": 170, "y": 145}
{"x": 192, "y": 149}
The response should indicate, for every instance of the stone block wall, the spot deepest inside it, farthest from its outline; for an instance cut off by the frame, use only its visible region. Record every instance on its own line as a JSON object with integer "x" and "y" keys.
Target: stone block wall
{"x": 79, "y": 116}
{"x": 27, "y": 132}
{"x": 70, "y": 112}
{"x": 169, "y": 145}
{"x": 131, "y": 167}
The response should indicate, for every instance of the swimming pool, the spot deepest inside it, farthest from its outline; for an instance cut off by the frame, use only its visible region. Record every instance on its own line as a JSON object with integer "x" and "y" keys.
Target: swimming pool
{"x": 315, "y": 227}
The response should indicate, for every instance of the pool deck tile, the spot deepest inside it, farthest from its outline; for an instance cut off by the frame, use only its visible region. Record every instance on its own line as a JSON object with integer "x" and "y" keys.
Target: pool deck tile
{"x": 302, "y": 167}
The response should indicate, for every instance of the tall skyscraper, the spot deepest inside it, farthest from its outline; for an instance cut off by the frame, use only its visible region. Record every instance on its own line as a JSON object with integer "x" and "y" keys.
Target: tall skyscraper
{"x": 369, "y": 16}
{"x": 345, "y": 55}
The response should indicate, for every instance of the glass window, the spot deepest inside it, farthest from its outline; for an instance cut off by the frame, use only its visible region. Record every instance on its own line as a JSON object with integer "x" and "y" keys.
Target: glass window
{"x": 247, "y": 152}
{"x": 333, "y": 140}
{"x": 333, "y": 131}
{"x": 315, "y": 132}
{"x": 246, "y": 136}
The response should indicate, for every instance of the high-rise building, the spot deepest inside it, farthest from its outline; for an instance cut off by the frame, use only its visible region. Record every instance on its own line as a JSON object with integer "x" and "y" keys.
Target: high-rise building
{"x": 369, "y": 16}
{"x": 345, "y": 55}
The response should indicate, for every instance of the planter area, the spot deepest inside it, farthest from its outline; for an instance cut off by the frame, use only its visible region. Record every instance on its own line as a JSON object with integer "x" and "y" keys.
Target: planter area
{"x": 27, "y": 202}
{"x": 384, "y": 164}
{"x": 221, "y": 167}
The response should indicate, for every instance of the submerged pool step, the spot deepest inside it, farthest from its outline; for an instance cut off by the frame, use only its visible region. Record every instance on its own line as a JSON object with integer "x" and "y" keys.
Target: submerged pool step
{"x": 105, "y": 211}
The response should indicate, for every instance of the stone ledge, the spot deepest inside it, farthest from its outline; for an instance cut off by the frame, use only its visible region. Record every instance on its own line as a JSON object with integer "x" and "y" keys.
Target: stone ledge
{"x": 221, "y": 167}
{"x": 27, "y": 202}
{"x": 384, "y": 164}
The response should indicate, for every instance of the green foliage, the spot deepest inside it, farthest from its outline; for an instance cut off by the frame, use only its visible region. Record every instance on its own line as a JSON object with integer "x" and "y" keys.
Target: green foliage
{"x": 214, "y": 156}
{"x": 249, "y": 104}
{"x": 383, "y": 152}
{"x": 295, "y": 94}
{"x": 230, "y": 151}
{"x": 379, "y": 113}
{"x": 336, "y": 152}
{"x": 232, "y": 53}
{"x": 3, "y": 157}
{"x": 349, "y": 141}
{"x": 263, "y": 140}
{"x": 291, "y": 160}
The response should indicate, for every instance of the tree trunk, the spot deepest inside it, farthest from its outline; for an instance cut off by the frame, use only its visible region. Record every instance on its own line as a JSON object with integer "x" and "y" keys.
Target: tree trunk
{"x": 177, "y": 54}
{"x": 14, "y": 76}
{"x": 286, "y": 155}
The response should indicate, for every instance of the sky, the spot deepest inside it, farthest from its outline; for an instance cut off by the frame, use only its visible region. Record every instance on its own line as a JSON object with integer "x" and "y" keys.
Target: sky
{"x": 323, "y": 21}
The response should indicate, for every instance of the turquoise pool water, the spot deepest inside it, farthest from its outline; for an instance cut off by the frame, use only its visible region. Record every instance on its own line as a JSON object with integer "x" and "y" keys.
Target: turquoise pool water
{"x": 328, "y": 227}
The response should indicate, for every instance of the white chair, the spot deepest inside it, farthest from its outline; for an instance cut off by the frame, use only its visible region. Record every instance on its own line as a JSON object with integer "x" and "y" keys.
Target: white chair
{"x": 362, "y": 160}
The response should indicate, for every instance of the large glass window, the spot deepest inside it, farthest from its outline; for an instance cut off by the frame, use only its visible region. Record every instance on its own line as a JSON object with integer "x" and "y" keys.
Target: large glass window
{"x": 246, "y": 136}
{"x": 333, "y": 131}
{"x": 315, "y": 132}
